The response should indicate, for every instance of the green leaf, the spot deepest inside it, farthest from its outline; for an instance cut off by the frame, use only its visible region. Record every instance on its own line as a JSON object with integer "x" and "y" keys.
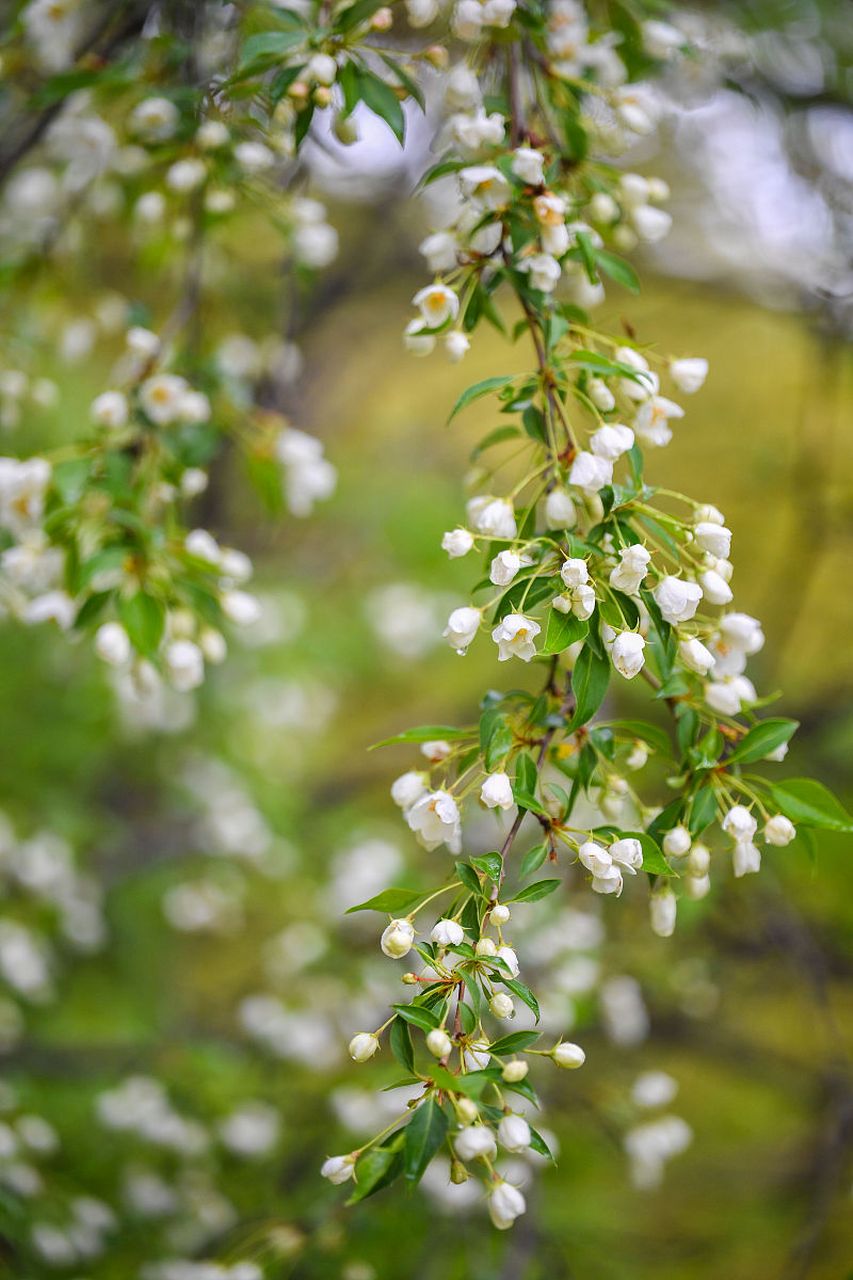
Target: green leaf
{"x": 400, "y": 1040}
{"x": 523, "y": 992}
{"x": 538, "y": 1144}
{"x": 378, "y": 1167}
{"x": 424, "y": 733}
{"x": 515, "y": 1042}
{"x": 496, "y": 737}
{"x": 653, "y": 860}
{"x": 469, "y": 878}
{"x": 144, "y": 620}
{"x": 392, "y": 902}
{"x": 409, "y": 84}
{"x": 490, "y": 864}
{"x": 649, "y": 733}
{"x": 425, "y": 1133}
{"x": 562, "y": 630}
{"x": 478, "y": 390}
{"x": 381, "y": 99}
{"x": 525, "y": 800}
{"x": 539, "y": 889}
{"x": 590, "y": 678}
{"x": 357, "y": 13}
{"x": 703, "y": 810}
{"x": 533, "y": 859}
{"x": 418, "y": 1016}
{"x": 811, "y": 803}
{"x": 618, "y": 269}
{"x": 762, "y": 739}
{"x": 267, "y": 46}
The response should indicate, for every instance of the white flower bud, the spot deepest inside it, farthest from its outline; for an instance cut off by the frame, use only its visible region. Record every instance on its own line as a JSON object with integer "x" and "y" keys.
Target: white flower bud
{"x": 714, "y": 538}
{"x": 689, "y": 373}
{"x": 457, "y": 542}
{"x": 574, "y": 572}
{"x": 746, "y": 858}
{"x": 715, "y": 588}
{"x": 504, "y": 567}
{"x": 628, "y": 853}
{"x": 467, "y": 1110}
{"x": 778, "y": 830}
{"x": 506, "y": 1203}
{"x": 510, "y": 959}
{"x": 560, "y": 512}
{"x": 475, "y": 1143}
{"x": 515, "y": 637}
{"x": 500, "y": 914}
{"x": 112, "y": 644}
{"x": 696, "y": 656}
{"x": 699, "y": 860}
{"x": 184, "y": 663}
{"x": 697, "y": 887}
{"x": 501, "y": 1005}
{"x": 338, "y": 1169}
{"x": 676, "y": 842}
{"x": 456, "y": 344}
{"x": 322, "y": 68}
{"x": 462, "y": 626}
{"x": 568, "y": 1055}
{"x": 240, "y": 608}
{"x": 663, "y": 906}
{"x": 447, "y": 933}
{"x": 529, "y": 165}
{"x": 408, "y": 788}
{"x": 677, "y": 600}
{"x": 363, "y": 1046}
{"x": 589, "y": 472}
{"x": 515, "y": 1070}
{"x": 627, "y": 653}
{"x": 110, "y": 409}
{"x": 600, "y": 394}
{"x": 638, "y": 756}
{"x": 496, "y": 791}
{"x": 397, "y": 939}
{"x": 485, "y": 947}
{"x": 514, "y": 1133}
{"x": 439, "y": 1043}
{"x": 739, "y": 823}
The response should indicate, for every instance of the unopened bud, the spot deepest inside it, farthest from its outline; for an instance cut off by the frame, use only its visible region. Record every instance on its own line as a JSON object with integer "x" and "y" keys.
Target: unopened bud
{"x": 410, "y": 979}
{"x": 439, "y": 1043}
{"x": 322, "y": 96}
{"x": 501, "y": 1005}
{"x": 500, "y": 913}
{"x": 437, "y": 56}
{"x": 515, "y": 1070}
{"x": 486, "y": 947}
{"x": 298, "y": 90}
{"x": 363, "y": 1046}
{"x": 467, "y": 1110}
{"x": 382, "y": 20}
{"x": 568, "y": 1055}
{"x": 458, "y": 1172}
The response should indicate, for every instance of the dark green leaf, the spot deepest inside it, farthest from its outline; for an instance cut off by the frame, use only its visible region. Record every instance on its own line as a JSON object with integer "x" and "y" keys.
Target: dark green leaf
{"x": 590, "y": 678}
{"x": 144, "y": 620}
{"x": 515, "y": 1042}
{"x": 524, "y": 993}
{"x": 400, "y": 1040}
{"x": 490, "y": 864}
{"x": 762, "y": 739}
{"x": 425, "y": 1133}
{"x": 539, "y": 889}
{"x": 392, "y": 902}
{"x": 378, "y": 1167}
{"x": 811, "y": 803}
{"x": 533, "y": 859}
{"x": 417, "y": 1015}
{"x": 562, "y": 630}
{"x": 478, "y": 390}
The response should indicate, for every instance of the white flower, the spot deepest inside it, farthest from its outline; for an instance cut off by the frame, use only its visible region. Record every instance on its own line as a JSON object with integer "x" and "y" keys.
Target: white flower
{"x": 567, "y": 1055}
{"x": 186, "y": 175}
{"x": 600, "y": 395}
{"x": 363, "y": 1046}
{"x": 437, "y": 304}
{"x": 440, "y": 250}
{"x": 611, "y": 441}
{"x": 475, "y": 1142}
{"x": 161, "y": 397}
{"x": 435, "y": 820}
{"x": 699, "y": 860}
{"x": 457, "y": 542}
{"x": 421, "y": 13}
{"x": 574, "y": 572}
{"x": 506, "y": 1203}
{"x": 676, "y": 842}
{"x": 438, "y": 1043}
{"x": 741, "y": 631}
{"x": 492, "y": 517}
{"x": 628, "y": 853}
{"x": 515, "y": 637}
{"x": 456, "y": 344}
{"x": 112, "y": 644}
{"x": 462, "y": 626}
{"x": 461, "y": 88}
{"x": 695, "y": 656}
{"x": 727, "y": 696}
{"x": 595, "y": 857}
{"x": 746, "y": 858}
{"x": 500, "y": 914}
{"x": 778, "y": 830}
{"x": 645, "y": 384}
{"x": 408, "y": 788}
{"x": 638, "y": 755}
{"x": 715, "y": 589}
{"x": 485, "y": 185}
{"x": 52, "y": 606}
{"x": 447, "y": 933}
{"x": 560, "y": 510}
{"x": 397, "y": 939}
{"x": 338, "y": 1169}
{"x": 590, "y": 472}
{"x": 497, "y": 13}
{"x": 653, "y": 1089}
{"x": 515, "y": 1070}
{"x": 543, "y": 271}
{"x": 501, "y": 1005}
{"x": 504, "y": 567}
{"x": 652, "y": 421}
{"x": 472, "y": 132}
{"x": 677, "y": 600}
{"x": 638, "y": 107}
{"x": 661, "y": 39}
{"x": 496, "y": 791}
{"x": 514, "y": 1133}
{"x": 184, "y": 663}
{"x": 609, "y": 882}
{"x": 436, "y": 750}
{"x": 322, "y": 68}
{"x": 627, "y": 653}
{"x": 211, "y": 135}
{"x": 510, "y": 959}
{"x": 529, "y": 165}
{"x": 689, "y": 373}
{"x": 109, "y": 409}
{"x": 663, "y": 906}
{"x": 739, "y": 823}
{"x": 154, "y": 119}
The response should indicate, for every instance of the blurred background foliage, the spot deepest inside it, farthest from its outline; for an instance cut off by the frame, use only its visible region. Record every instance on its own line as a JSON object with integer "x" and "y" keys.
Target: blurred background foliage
{"x": 750, "y": 1004}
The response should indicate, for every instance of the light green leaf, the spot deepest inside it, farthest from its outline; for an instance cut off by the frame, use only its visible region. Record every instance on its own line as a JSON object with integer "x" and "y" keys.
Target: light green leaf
{"x": 392, "y": 902}
{"x": 539, "y": 889}
{"x": 809, "y": 802}
{"x": 762, "y": 739}
{"x": 425, "y": 1133}
{"x": 478, "y": 390}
